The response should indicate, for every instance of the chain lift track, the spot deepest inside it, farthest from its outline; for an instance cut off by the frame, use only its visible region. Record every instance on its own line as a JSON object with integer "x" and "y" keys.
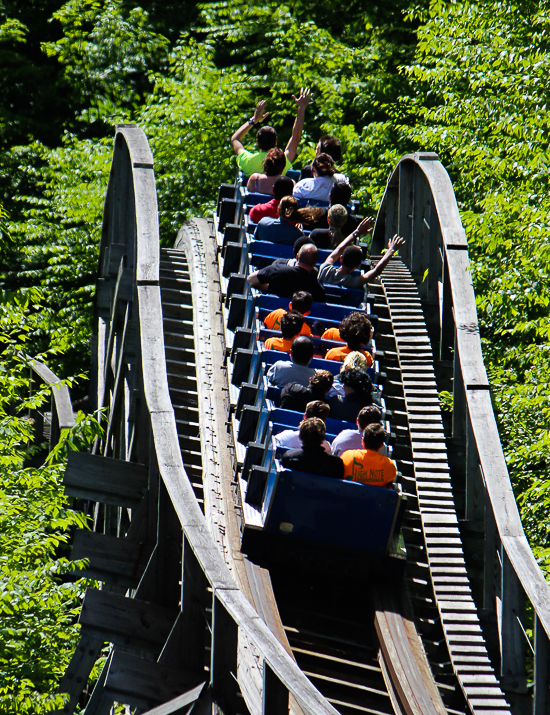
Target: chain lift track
{"x": 194, "y": 627}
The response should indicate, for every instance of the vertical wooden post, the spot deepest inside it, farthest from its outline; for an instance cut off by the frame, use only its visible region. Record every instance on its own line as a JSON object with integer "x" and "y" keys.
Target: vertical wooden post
{"x": 541, "y": 696}
{"x": 512, "y": 636}
{"x": 392, "y": 221}
{"x": 275, "y": 694}
{"x": 447, "y": 327}
{"x": 490, "y": 579}
{"x": 194, "y": 601}
{"x": 459, "y": 399}
{"x": 475, "y": 488}
{"x": 421, "y": 212}
{"x": 405, "y": 209}
{"x": 223, "y": 669}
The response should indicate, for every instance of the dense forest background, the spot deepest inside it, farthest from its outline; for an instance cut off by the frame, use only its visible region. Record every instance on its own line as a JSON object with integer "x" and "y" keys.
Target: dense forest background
{"x": 467, "y": 80}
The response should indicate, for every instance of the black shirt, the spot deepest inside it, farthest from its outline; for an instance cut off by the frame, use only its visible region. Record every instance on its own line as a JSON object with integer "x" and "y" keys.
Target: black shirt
{"x": 314, "y": 461}
{"x": 320, "y": 237}
{"x": 295, "y": 396}
{"x": 347, "y": 408}
{"x": 285, "y": 280}
{"x": 349, "y": 227}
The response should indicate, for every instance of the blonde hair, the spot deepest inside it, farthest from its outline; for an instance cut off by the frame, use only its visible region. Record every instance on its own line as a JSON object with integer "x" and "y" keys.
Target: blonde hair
{"x": 337, "y": 217}
{"x": 354, "y": 361}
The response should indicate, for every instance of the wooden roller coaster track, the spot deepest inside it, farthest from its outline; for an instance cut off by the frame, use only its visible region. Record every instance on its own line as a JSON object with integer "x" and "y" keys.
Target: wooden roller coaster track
{"x": 194, "y": 627}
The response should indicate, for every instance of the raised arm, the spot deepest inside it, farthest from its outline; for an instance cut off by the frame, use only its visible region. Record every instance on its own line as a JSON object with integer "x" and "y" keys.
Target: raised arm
{"x": 242, "y": 131}
{"x": 301, "y": 103}
{"x": 366, "y": 225}
{"x": 393, "y": 246}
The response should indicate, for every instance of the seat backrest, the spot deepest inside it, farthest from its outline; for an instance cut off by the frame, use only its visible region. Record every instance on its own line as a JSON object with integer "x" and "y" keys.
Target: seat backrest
{"x": 252, "y": 198}
{"x": 330, "y": 511}
{"x": 292, "y": 418}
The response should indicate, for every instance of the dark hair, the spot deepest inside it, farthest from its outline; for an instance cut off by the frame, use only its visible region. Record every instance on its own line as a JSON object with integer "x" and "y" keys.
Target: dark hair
{"x": 352, "y": 257}
{"x": 312, "y": 432}
{"x": 302, "y": 301}
{"x": 274, "y": 162}
{"x": 374, "y": 436}
{"x": 331, "y": 146}
{"x": 317, "y": 408}
{"x": 283, "y": 186}
{"x": 291, "y": 324}
{"x": 288, "y": 209}
{"x": 340, "y": 193}
{"x": 360, "y": 383}
{"x": 355, "y": 330}
{"x": 321, "y": 381}
{"x": 299, "y": 242}
{"x": 301, "y": 350}
{"x": 266, "y": 138}
{"x": 324, "y": 165}
{"x": 306, "y": 172}
{"x": 368, "y": 416}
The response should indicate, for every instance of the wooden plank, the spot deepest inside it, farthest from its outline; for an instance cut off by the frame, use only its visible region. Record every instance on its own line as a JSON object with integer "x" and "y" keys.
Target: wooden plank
{"x": 179, "y": 705}
{"x": 125, "y": 621}
{"x": 116, "y": 561}
{"x": 110, "y": 481}
{"x": 76, "y": 676}
{"x": 143, "y": 683}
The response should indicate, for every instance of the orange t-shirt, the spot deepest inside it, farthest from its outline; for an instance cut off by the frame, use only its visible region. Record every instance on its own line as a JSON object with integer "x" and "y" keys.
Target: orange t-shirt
{"x": 341, "y": 353}
{"x": 273, "y": 321}
{"x": 332, "y": 334}
{"x": 368, "y": 467}
{"x": 281, "y": 344}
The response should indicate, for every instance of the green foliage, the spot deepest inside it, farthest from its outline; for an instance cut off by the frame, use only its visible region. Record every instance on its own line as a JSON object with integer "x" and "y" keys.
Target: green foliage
{"x": 38, "y": 605}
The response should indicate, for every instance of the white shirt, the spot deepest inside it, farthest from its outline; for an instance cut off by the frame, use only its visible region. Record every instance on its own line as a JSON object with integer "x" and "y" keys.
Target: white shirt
{"x": 290, "y": 439}
{"x": 318, "y": 188}
{"x": 351, "y": 439}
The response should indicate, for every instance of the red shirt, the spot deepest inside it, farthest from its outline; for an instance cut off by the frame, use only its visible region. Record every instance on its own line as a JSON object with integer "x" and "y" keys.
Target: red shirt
{"x": 260, "y": 211}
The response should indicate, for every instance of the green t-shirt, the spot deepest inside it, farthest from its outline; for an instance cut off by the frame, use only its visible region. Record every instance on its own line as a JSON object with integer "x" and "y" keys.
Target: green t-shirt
{"x": 252, "y": 162}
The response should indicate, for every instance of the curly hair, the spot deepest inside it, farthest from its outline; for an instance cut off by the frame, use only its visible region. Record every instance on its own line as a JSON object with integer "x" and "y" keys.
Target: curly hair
{"x": 324, "y": 165}
{"x": 360, "y": 383}
{"x": 322, "y": 381}
{"x": 354, "y": 360}
{"x": 274, "y": 162}
{"x": 355, "y": 330}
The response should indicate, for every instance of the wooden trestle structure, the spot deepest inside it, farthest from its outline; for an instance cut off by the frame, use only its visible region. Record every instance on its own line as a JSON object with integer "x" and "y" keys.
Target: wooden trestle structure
{"x": 193, "y": 626}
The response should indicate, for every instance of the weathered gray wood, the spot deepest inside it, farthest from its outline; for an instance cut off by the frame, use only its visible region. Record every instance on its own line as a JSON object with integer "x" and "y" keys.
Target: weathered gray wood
{"x": 111, "y": 481}
{"x": 125, "y": 621}
{"x": 223, "y": 664}
{"x": 143, "y": 683}
{"x": 179, "y": 705}
{"x": 512, "y": 637}
{"x": 60, "y": 394}
{"x": 76, "y": 676}
{"x": 541, "y": 696}
{"x": 475, "y": 489}
{"x": 116, "y": 561}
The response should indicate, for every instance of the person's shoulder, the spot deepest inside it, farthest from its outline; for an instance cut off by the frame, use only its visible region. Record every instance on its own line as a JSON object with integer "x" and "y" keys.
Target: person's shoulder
{"x": 267, "y": 221}
{"x": 290, "y": 455}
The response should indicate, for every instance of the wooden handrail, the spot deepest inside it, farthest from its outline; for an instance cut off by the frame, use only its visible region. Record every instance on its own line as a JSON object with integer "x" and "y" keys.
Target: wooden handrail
{"x": 419, "y": 204}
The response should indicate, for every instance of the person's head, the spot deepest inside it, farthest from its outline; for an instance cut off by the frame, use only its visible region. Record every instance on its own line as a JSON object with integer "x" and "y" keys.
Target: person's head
{"x": 358, "y": 382}
{"x": 354, "y": 361}
{"x": 340, "y": 193}
{"x": 283, "y": 186}
{"x": 331, "y": 146}
{"x": 368, "y": 416}
{"x": 306, "y": 172}
{"x": 352, "y": 258}
{"x": 301, "y": 301}
{"x": 312, "y": 432}
{"x": 374, "y": 436}
{"x": 337, "y": 217}
{"x": 288, "y": 208}
{"x": 323, "y": 165}
{"x": 355, "y": 330}
{"x": 274, "y": 162}
{"x": 321, "y": 382}
{"x": 266, "y": 138}
{"x": 308, "y": 256}
{"x": 299, "y": 242}
{"x": 301, "y": 350}
{"x": 291, "y": 324}
{"x": 317, "y": 408}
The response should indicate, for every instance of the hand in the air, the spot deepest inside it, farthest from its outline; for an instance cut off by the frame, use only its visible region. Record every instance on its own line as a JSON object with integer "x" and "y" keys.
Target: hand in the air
{"x": 259, "y": 113}
{"x": 304, "y": 98}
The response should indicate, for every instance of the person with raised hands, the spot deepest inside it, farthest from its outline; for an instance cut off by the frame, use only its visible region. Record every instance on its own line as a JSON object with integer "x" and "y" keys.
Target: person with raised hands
{"x": 351, "y": 257}
{"x": 250, "y": 162}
